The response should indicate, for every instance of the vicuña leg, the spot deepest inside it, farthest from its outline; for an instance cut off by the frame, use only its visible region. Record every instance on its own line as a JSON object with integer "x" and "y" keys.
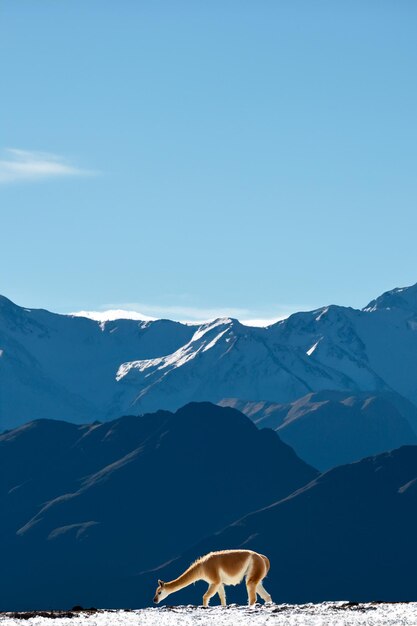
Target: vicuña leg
{"x": 211, "y": 591}
{"x": 251, "y": 586}
{"x": 260, "y": 589}
{"x": 222, "y": 595}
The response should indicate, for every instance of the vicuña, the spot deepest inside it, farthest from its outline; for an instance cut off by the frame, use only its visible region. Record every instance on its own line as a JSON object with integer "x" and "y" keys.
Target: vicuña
{"x": 226, "y": 567}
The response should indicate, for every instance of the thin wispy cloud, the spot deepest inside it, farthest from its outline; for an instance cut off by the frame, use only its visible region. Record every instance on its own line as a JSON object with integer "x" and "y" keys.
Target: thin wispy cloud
{"x": 186, "y": 314}
{"x": 183, "y": 312}
{"x": 114, "y": 314}
{"x": 25, "y": 166}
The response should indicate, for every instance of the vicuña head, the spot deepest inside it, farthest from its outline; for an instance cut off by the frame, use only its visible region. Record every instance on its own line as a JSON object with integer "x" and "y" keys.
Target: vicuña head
{"x": 160, "y": 592}
{"x": 227, "y": 567}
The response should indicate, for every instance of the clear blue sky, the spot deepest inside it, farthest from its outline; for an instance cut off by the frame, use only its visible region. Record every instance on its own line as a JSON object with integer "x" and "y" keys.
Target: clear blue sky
{"x": 256, "y": 157}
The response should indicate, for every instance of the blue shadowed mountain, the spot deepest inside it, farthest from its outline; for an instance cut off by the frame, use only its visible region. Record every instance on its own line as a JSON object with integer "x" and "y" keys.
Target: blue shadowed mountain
{"x": 330, "y": 428}
{"x": 348, "y": 535}
{"x": 86, "y": 507}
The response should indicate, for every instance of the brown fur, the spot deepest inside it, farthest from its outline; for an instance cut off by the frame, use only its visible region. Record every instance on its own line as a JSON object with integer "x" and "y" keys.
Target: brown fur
{"x": 226, "y": 567}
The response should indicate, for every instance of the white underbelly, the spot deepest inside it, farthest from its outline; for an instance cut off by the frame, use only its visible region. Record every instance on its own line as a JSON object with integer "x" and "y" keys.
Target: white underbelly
{"x": 232, "y": 580}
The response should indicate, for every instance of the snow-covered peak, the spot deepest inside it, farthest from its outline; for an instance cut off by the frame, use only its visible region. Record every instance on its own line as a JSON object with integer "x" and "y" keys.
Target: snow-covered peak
{"x": 404, "y": 298}
{"x": 204, "y": 339}
{"x": 221, "y": 322}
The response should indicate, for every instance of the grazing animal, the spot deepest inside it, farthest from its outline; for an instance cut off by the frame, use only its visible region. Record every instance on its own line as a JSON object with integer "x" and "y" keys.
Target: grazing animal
{"x": 227, "y": 567}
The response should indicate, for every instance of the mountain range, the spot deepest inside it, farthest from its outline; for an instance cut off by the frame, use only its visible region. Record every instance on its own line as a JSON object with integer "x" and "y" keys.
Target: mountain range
{"x": 298, "y": 440}
{"x": 73, "y": 368}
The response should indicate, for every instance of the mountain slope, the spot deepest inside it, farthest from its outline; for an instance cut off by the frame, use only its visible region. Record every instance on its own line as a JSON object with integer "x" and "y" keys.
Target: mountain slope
{"x": 104, "y": 501}
{"x": 350, "y": 534}
{"x": 330, "y": 428}
{"x": 64, "y": 367}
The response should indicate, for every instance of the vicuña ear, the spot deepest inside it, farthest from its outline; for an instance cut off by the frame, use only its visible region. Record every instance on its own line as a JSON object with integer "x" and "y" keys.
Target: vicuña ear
{"x": 161, "y": 583}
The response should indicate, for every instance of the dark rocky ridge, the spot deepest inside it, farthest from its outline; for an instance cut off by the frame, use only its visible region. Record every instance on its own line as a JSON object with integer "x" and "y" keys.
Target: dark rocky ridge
{"x": 85, "y": 507}
{"x": 350, "y": 534}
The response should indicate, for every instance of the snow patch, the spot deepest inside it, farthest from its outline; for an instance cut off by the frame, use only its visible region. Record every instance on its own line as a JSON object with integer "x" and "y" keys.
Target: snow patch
{"x": 208, "y": 327}
{"x": 322, "y": 313}
{"x": 328, "y": 613}
{"x": 182, "y": 356}
{"x": 215, "y": 340}
{"x": 313, "y": 347}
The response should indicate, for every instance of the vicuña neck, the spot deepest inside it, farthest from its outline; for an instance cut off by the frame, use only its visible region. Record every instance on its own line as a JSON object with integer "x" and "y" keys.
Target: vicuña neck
{"x": 189, "y": 576}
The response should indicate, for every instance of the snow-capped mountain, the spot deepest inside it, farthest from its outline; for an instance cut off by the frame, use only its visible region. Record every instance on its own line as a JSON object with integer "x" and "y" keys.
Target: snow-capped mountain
{"x": 60, "y": 366}
{"x": 332, "y": 348}
{"x": 64, "y": 367}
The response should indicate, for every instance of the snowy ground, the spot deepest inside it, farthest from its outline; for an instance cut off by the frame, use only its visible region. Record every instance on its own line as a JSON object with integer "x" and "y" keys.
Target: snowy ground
{"x": 326, "y": 614}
